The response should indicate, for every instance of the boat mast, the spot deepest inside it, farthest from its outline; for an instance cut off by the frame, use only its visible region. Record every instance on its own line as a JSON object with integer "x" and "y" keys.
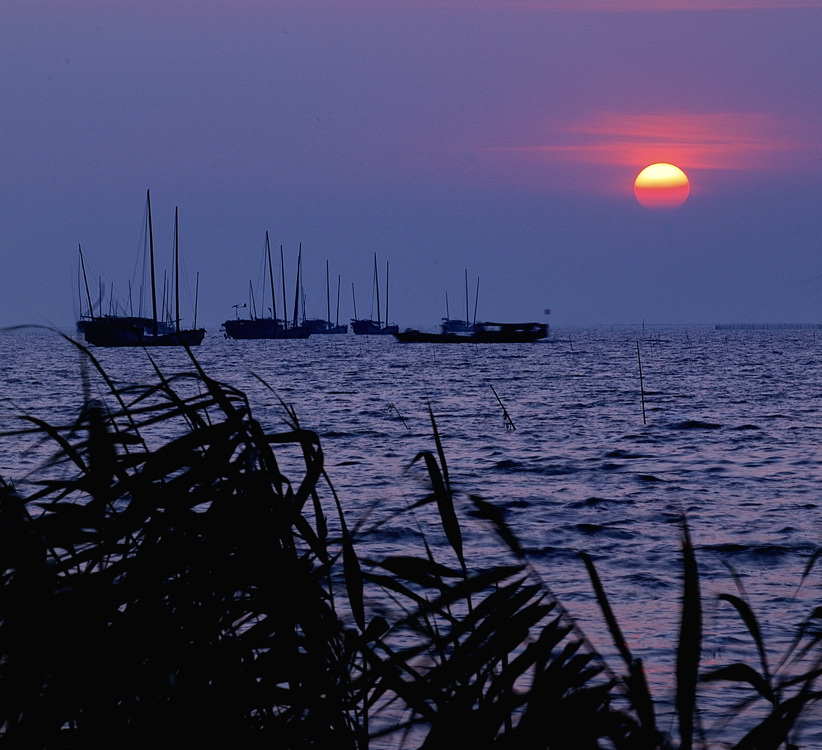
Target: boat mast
{"x": 476, "y": 300}
{"x": 271, "y": 280}
{"x": 354, "y": 297}
{"x": 327, "y": 294}
{"x": 79, "y": 291}
{"x": 338, "y": 299}
{"x": 377, "y": 285}
{"x": 466, "y": 296}
{"x": 252, "y": 300}
{"x": 176, "y": 271}
{"x": 386, "y": 294}
{"x": 196, "y": 297}
{"x": 285, "y": 306}
{"x": 297, "y": 290}
{"x": 85, "y": 281}
{"x": 151, "y": 256}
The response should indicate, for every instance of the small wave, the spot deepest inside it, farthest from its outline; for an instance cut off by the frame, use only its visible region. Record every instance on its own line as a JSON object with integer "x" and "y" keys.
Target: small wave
{"x": 595, "y": 529}
{"x": 516, "y": 467}
{"x": 555, "y": 554}
{"x": 695, "y": 424}
{"x": 762, "y": 551}
{"x": 590, "y": 502}
{"x": 647, "y": 580}
{"x": 618, "y": 453}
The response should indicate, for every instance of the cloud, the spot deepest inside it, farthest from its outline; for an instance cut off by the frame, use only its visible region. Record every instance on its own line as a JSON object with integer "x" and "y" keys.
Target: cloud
{"x": 565, "y": 6}
{"x": 656, "y": 6}
{"x": 720, "y": 141}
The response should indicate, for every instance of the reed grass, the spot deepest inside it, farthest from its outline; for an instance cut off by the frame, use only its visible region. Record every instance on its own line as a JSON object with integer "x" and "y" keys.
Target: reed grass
{"x": 189, "y": 592}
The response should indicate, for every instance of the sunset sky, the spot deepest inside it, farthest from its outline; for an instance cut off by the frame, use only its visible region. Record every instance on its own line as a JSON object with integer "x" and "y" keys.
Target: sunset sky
{"x": 498, "y": 136}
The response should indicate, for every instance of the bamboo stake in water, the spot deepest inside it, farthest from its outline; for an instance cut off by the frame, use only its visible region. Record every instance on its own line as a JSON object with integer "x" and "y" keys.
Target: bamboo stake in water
{"x": 395, "y": 409}
{"x": 641, "y": 385}
{"x": 509, "y": 423}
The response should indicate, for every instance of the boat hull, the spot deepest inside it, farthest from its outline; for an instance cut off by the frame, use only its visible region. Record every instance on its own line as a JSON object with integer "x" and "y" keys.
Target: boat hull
{"x": 262, "y": 328}
{"x": 113, "y": 331}
{"x": 372, "y": 328}
{"x": 483, "y": 333}
{"x": 323, "y": 327}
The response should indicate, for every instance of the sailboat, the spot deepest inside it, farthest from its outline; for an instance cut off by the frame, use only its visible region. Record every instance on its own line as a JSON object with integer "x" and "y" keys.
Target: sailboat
{"x": 455, "y": 325}
{"x": 456, "y": 331}
{"x": 318, "y": 325}
{"x": 268, "y": 328}
{"x": 135, "y": 330}
{"x": 367, "y": 326}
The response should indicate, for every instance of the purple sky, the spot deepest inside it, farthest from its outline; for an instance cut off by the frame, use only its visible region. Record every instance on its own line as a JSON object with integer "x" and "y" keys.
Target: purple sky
{"x": 501, "y": 137}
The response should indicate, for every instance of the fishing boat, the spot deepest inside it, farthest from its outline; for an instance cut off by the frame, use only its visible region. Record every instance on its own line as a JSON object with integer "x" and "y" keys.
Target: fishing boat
{"x": 255, "y": 327}
{"x": 368, "y": 326}
{"x": 320, "y": 326}
{"x": 480, "y": 333}
{"x": 135, "y": 330}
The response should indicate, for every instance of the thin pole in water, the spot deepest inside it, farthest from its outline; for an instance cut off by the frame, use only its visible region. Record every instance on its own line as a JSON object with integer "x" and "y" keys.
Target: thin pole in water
{"x": 641, "y": 384}
{"x": 509, "y": 423}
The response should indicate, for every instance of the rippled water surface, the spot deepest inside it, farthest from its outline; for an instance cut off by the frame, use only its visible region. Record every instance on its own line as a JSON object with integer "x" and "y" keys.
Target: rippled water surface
{"x": 728, "y": 433}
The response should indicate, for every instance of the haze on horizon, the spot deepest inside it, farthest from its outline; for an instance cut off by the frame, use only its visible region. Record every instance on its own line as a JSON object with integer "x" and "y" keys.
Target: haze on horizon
{"x": 498, "y": 137}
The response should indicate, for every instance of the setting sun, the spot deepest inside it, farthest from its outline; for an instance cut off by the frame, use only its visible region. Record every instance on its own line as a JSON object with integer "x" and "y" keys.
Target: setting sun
{"x": 662, "y": 186}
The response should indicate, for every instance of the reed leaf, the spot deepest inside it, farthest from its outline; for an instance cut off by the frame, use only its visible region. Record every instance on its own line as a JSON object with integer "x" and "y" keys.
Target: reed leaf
{"x": 636, "y": 683}
{"x": 751, "y": 623}
{"x": 67, "y": 450}
{"x": 690, "y": 643}
{"x": 445, "y": 505}
{"x": 496, "y": 516}
{"x": 741, "y": 673}
{"x": 775, "y": 730}
{"x": 425, "y": 573}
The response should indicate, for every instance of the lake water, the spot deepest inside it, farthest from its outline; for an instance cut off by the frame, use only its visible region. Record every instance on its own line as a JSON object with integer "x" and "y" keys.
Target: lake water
{"x": 728, "y": 433}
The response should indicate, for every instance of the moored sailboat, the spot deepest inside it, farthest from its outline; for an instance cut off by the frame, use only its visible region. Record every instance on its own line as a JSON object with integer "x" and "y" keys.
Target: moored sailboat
{"x": 129, "y": 330}
{"x": 264, "y": 327}
{"x": 368, "y": 326}
{"x": 320, "y": 326}
{"x": 455, "y": 325}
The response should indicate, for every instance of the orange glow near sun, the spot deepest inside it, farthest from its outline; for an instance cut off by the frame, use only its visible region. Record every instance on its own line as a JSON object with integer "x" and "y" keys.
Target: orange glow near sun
{"x": 662, "y": 186}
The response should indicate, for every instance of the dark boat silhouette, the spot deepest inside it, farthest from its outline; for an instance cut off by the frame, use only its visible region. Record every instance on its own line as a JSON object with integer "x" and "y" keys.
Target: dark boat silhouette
{"x": 135, "y": 330}
{"x": 320, "y": 326}
{"x": 268, "y": 328}
{"x": 480, "y": 333}
{"x": 367, "y": 326}
{"x": 455, "y": 325}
